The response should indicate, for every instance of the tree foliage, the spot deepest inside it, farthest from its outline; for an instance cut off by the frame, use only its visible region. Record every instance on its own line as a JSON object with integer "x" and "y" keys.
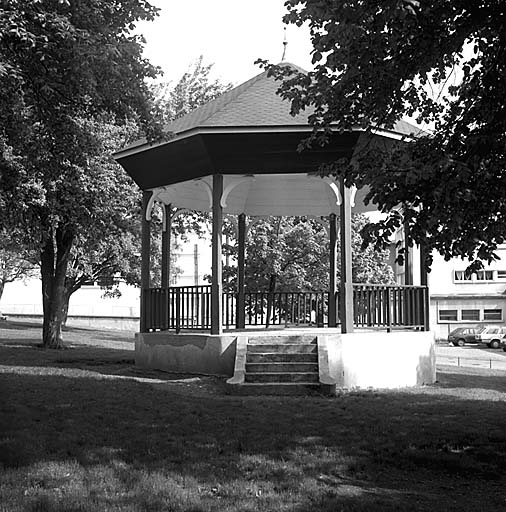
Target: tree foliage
{"x": 172, "y": 101}
{"x": 292, "y": 254}
{"x": 109, "y": 252}
{"x": 193, "y": 89}
{"x": 14, "y": 264}
{"x": 444, "y": 64}
{"x": 69, "y": 69}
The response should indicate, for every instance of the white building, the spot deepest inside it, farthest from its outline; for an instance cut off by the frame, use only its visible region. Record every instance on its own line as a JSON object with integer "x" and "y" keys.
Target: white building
{"x": 91, "y": 307}
{"x": 457, "y": 298}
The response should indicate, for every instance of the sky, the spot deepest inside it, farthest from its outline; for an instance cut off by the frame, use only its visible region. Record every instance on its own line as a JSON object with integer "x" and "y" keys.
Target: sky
{"x": 231, "y": 34}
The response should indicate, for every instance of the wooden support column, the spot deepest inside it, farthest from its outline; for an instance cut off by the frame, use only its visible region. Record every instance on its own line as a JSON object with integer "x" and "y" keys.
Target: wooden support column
{"x": 346, "y": 290}
{"x": 423, "y": 271}
{"x": 332, "y": 270}
{"x": 217, "y": 267}
{"x": 240, "y": 313}
{"x": 166, "y": 241}
{"x": 408, "y": 257}
{"x": 165, "y": 277}
{"x": 145, "y": 263}
{"x": 424, "y": 281}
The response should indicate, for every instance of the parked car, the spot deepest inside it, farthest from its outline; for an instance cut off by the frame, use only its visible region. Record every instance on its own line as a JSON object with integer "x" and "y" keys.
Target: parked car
{"x": 462, "y": 335}
{"x": 491, "y": 335}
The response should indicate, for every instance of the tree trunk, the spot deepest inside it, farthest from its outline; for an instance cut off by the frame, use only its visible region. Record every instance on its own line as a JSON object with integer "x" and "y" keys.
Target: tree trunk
{"x": 2, "y": 286}
{"x": 54, "y": 261}
{"x": 270, "y": 298}
{"x": 66, "y": 300}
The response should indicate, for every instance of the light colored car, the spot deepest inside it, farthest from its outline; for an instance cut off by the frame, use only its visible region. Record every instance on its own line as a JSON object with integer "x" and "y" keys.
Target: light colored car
{"x": 491, "y": 335}
{"x": 462, "y": 335}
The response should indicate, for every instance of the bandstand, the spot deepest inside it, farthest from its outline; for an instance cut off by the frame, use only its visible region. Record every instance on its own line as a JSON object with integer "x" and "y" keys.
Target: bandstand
{"x": 237, "y": 155}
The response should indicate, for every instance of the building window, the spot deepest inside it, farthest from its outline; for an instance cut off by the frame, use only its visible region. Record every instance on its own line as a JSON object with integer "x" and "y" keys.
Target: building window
{"x": 485, "y": 275}
{"x": 492, "y": 314}
{"x": 461, "y": 275}
{"x": 448, "y": 315}
{"x": 105, "y": 281}
{"x": 501, "y": 274}
{"x": 472, "y": 315}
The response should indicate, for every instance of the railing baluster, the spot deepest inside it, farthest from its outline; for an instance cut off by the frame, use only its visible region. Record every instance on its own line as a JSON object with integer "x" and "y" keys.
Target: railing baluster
{"x": 387, "y": 306}
{"x": 390, "y": 306}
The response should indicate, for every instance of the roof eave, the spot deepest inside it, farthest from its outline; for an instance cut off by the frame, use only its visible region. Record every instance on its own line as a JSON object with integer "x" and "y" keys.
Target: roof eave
{"x": 204, "y": 130}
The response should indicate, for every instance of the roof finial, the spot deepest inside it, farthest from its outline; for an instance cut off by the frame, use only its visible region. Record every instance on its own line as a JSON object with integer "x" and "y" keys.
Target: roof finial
{"x": 285, "y": 43}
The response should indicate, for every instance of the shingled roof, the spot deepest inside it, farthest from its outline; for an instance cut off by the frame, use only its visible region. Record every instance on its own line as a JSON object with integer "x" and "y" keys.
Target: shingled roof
{"x": 253, "y": 104}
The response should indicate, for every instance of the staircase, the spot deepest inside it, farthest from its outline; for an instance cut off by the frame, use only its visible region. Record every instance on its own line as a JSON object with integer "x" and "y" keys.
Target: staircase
{"x": 277, "y": 365}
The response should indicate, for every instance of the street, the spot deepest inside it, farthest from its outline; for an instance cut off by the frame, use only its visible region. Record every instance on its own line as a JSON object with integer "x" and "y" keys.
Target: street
{"x": 477, "y": 356}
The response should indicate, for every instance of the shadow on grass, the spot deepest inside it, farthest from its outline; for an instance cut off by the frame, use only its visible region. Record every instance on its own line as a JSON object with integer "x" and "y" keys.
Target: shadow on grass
{"x": 18, "y": 326}
{"x": 90, "y": 444}
{"x": 29, "y": 352}
{"x": 27, "y": 330}
{"x": 476, "y": 379}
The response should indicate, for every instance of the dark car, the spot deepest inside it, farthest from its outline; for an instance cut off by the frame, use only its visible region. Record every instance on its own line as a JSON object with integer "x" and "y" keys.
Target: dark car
{"x": 462, "y": 335}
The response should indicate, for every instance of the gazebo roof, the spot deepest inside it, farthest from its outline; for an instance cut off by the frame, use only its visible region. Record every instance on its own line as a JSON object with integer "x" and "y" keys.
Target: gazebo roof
{"x": 251, "y": 104}
{"x": 247, "y": 131}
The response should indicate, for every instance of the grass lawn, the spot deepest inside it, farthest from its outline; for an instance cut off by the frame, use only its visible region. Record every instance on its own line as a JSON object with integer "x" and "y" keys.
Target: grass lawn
{"x": 84, "y": 430}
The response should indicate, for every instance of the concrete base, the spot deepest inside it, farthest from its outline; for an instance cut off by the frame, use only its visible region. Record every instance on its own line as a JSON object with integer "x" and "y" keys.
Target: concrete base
{"x": 377, "y": 359}
{"x": 188, "y": 352}
{"x": 357, "y": 360}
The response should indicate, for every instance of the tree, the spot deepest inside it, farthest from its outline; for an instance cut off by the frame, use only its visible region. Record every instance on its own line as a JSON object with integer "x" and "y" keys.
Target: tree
{"x": 194, "y": 88}
{"x": 66, "y": 67}
{"x": 109, "y": 251}
{"x": 444, "y": 64}
{"x": 14, "y": 265}
{"x": 292, "y": 254}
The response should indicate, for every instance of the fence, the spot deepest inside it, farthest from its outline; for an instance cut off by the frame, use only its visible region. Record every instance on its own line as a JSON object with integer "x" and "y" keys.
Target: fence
{"x": 390, "y": 306}
{"x": 189, "y": 307}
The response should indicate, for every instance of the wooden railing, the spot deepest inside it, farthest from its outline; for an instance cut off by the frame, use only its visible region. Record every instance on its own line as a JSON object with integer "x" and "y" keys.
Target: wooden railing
{"x": 390, "y": 306}
{"x": 380, "y": 306}
{"x": 286, "y": 308}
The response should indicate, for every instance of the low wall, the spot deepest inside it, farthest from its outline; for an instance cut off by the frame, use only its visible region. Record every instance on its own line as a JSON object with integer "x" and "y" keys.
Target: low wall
{"x": 379, "y": 359}
{"x": 188, "y": 352}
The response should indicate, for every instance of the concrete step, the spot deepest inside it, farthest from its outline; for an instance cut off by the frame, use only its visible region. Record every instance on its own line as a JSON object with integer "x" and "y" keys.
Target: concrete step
{"x": 282, "y": 367}
{"x": 275, "y": 377}
{"x": 293, "y": 348}
{"x": 277, "y": 340}
{"x": 280, "y": 389}
{"x": 275, "y": 357}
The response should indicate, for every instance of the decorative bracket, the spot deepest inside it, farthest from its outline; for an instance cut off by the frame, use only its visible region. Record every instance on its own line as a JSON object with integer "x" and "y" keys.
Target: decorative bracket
{"x": 164, "y": 219}
{"x": 353, "y": 193}
{"x": 331, "y": 182}
{"x": 335, "y": 188}
{"x": 231, "y": 185}
{"x": 208, "y": 188}
{"x": 155, "y": 196}
{"x": 173, "y": 216}
{"x": 151, "y": 204}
